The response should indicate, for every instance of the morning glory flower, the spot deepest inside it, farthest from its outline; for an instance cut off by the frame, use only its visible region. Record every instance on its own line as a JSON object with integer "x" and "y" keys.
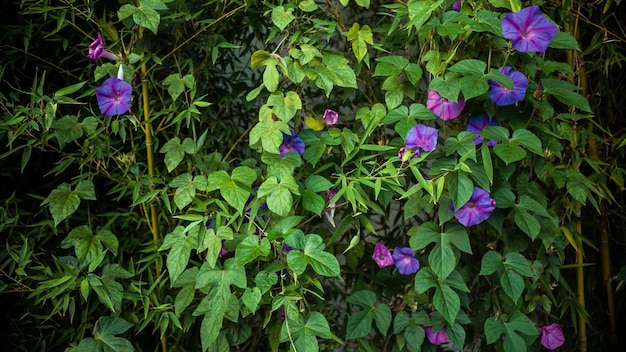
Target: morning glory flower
{"x": 476, "y": 210}
{"x": 529, "y": 30}
{"x": 552, "y": 336}
{"x": 330, "y": 117}
{"x": 404, "y": 259}
{"x": 422, "y": 138}
{"x": 382, "y": 255}
{"x": 502, "y": 96}
{"x": 96, "y": 50}
{"x": 456, "y": 6}
{"x": 444, "y": 108}
{"x": 477, "y": 124}
{"x": 114, "y": 96}
{"x": 436, "y": 338}
{"x": 291, "y": 142}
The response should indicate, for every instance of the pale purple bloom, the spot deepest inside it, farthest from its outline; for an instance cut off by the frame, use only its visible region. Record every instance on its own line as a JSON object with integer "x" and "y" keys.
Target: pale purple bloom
{"x": 529, "y": 30}
{"x": 330, "y": 117}
{"x": 476, "y": 210}
{"x": 404, "y": 259}
{"x": 503, "y": 96}
{"x": 291, "y": 142}
{"x": 96, "y": 50}
{"x": 456, "y": 6}
{"x": 436, "y": 338}
{"x": 422, "y": 138}
{"x": 552, "y": 336}
{"x": 382, "y": 255}
{"x": 477, "y": 124}
{"x": 444, "y": 108}
{"x": 114, "y": 96}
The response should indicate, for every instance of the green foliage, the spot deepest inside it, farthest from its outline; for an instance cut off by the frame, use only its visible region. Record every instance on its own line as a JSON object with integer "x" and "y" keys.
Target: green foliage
{"x": 179, "y": 221}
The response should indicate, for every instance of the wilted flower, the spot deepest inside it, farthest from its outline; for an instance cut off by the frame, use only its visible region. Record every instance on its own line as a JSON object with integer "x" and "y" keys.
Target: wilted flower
{"x": 329, "y": 212}
{"x": 552, "y": 336}
{"x": 291, "y": 142}
{"x": 503, "y": 96}
{"x": 529, "y": 30}
{"x": 330, "y": 117}
{"x": 476, "y": 210}
{"x": 477, "y": 124}
{"x": 96, "y": 50}
{"x": 382, "y": 255}
{"x": 404, "y": 259}
{"x": 444, "y": 108}
{"x": 456, "y": 6}
{"x": 114, "y": 96}
{"x": 422, "y": 138}
{"x": 436, "y": 338}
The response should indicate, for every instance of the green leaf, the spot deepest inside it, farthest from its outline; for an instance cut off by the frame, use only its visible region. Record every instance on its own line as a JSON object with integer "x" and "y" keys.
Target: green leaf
{"x": 285, "y": 106}
{"x": 147, "y": 17}
{"x": 186, "y": 188}
{"x": 390, "y": 65}
{"x": 469, "y": 66}
{"x": 105, "y": 330}
{"x": 313, "y": 202}
{"x": 461, "y": 188}
{"x": 527, "y": 223}
{"x": 86, "y": 246}
{"x": 509, "y": 151}
{"x": 281, "y": 17}
{"x": 310, "y": 252}
{"x": 249, "y": 249}
{"x": 270, "y": 133}
{"x": 565, "y": 93}
{"x": 442, "y": 257}
{"x": 236, "y": 188}
{"x": 491, "y": 262}
{"x": 180, "y": 244}
{"x": 359, "y": 325}
{"x": 67, "y": 129}
{"x": 359, "y": 37}
{"x": 528, "y": 139}
{"x": 278, "y": 194}
{"x": 564, "y": 40}
{"x": 63, "y": 202}
{"x": 251, "y": 298}
{"x": 175, "y": 151}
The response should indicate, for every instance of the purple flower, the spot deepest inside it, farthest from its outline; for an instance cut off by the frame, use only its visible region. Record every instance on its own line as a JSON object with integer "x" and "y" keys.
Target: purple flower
{"x": 330, "y": 117}
{"x": 223, "y": 251}
{"x": 444, "y": 108}
{"x": 423, "y": 138}
{"x": 382, "y": 255}
{"x": 291, "y": 142}
{"x": 552, "y": 336}
{"x": 529, "y": 30}
{"x": 96, "y": 50}
{"x": 503, "y": 96}
{"x": 476, "y": 210}
{"x": 404, "y": 259}
{"x": 456, "y": 6}
{"x": 404, "y": 154}
{"x": 436, "y": 338}
{"x": 477, "y": 124}
{"x": 114, "y": 96}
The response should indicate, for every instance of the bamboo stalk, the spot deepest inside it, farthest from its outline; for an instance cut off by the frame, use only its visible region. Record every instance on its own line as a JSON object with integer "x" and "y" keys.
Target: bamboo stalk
{"x": 154, "y": 221}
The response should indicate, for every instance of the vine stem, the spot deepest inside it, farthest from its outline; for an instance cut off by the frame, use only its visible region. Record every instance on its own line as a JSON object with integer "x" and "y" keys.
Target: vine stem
{"x": 154, "y": 221}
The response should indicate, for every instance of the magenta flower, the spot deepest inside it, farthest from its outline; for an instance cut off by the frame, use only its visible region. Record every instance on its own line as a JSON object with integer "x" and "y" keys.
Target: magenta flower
{"x": 114, "y": 96}
{"x": 291, "y": 142}
{"x": 222, "y": 252}
{"x": 444, "y": 108}
{"x": 96, "y": 50}
{"x": 330, "y": 117}
{"x": 404, "y": 259}
{"x": 382, "y": 255}
{"x": 436, "y": 338}
{"x": 552, "y": 336}
{"x": 476, "y": 210}
{"x": 529, "y": 30}
{"x": 477, "y": 124}
{"x": 503, "y": 96}
{"x": 422, "y": 138}
{"x": 456, "y": 6}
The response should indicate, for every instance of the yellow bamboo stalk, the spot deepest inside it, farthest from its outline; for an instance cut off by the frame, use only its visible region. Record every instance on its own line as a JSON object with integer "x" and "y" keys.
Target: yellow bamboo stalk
{"x": 154, "y": 221}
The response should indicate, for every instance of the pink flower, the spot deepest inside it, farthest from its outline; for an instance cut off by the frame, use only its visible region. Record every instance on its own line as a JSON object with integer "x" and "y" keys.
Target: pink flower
{"x": 330, "y": 117}
{"x": 436, "y": 338}
{"x": 96, "y": 50}
{"x": 552, "y": 336}
{"x": 382, "y": 255}
{"x": 444, "y": 108}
